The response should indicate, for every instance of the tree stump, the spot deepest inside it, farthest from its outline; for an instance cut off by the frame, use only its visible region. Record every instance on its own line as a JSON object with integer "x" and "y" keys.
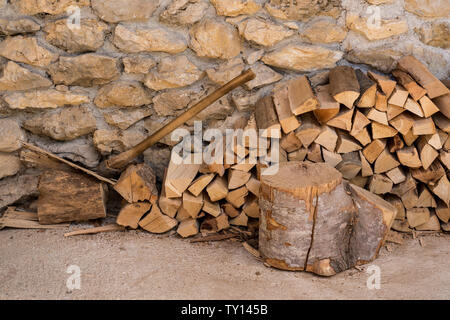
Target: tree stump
{"x": 312, "y": 221}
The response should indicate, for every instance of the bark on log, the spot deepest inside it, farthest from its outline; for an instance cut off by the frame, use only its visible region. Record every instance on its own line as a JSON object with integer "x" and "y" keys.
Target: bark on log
{"x": 68, "y": 196}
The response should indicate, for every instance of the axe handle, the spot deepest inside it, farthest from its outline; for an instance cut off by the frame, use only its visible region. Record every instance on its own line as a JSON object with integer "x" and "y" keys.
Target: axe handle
{"x": 121, "y": 160}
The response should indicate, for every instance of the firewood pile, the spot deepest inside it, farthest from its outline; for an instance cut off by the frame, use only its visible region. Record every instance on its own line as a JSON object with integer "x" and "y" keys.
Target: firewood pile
{"x": 387, "y": 136}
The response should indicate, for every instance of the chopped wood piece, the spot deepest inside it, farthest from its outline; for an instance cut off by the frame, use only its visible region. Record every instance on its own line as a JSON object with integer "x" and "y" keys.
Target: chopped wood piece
{"x": 218, "y": 168}
{"x": 380, "y": 131}
{"x": 314, "y": 153}
{"x": 230, "y": 210}
{"x": 417, "y": 216}
{"x": 301, "y": 96}
{"x": 200, "y": 183}
{"x": 410, "y": 199}
{"x": 107, "y": 228}
{"x": 442, "y": 190}
{"x": 244, "y": 166}
{"x": 385, "y": 162}
{"x": 253, "y": 185}
{"x": 437, "y": 140}
{"x": 396, "y": 175}
{"x": 414, "y": 107}
{"x": 360, "y": 181}
{"x": 192, "y": 205}
{"x": 409, "y": 157}
{"x": 409, "y": 84}
{"x": 331, "y": 158}
{"x": 423, "y": 76}
{"x": 237, "y": 197}
{"x": 377, "y": 116}
{"x": 428, "y": 107}
{"x": 359, "y": 122}
{"x": 423, "y": 127}
{"x": 182, "y": 214}
{"x": 401, "y": 226}
{"x": 350, "y": 165}
{"x": 298, "y": 155}
{"x": 169, "y": 206}
{"x": 343, "y": 120}
{"x": 373, "y": 150}
{"x": 363, "y": 137}
{"x": 240, "y": 220}
{"x": 308, "y": 131}
{"x": 213, "y": 208}
{"x": 393, "y": 111}
{"x": 344, "y": 86}
{"x": 328, "y": 107}
{"x": 131, "y": 213}
{"x": 444, "y": 157}
{"x": 409, "y": 137}
{"x": 137, "y": 183}
{"x": 217, "y": 189}
{"x": 213, "y": 225}
{"x": 387, "y": 85}
{"x": 178, "y": 178}
{"x": 379, "y": 184}
{"x": 70, "y": 196}
{"x": 443, "y": 104}
{"x": 346, "y": 144}
{"x": 381, "y": 102}
{"x": 397, "y": 203}
{"x": 327, "y": 138}
{"x": 395, "y": 143}
{"x": 402, "y": 188}
{"x": 266, "y": 118}
{"x": 288, "y": 120}
{"x": 251, "y": 207}
{"x": 429, "y": 176}
{"x": 237, "y": 178}
{"x": 290, "y": 142}
{"x": 426, "y": 199}
{"x": 188, "y": 228}
{"x": 431, "y": 225}
{"x": 427, "y": 153}
{"x": 402, "y": 123}
{"x": 368, "y": 90}
{"x": 442, "y": 122}
{"x": 443, "y": 212}
{"x": 366, "y": 169}
{"x": 157, "y": 222}
{"x": 398, "y": 97}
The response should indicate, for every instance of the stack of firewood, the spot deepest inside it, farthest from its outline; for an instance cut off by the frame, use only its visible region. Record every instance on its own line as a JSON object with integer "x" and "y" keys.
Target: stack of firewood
{"x": 387, "y": 136}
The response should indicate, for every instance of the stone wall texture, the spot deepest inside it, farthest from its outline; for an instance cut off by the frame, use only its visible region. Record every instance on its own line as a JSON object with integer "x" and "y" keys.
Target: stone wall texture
{"x": 86, "y": 90}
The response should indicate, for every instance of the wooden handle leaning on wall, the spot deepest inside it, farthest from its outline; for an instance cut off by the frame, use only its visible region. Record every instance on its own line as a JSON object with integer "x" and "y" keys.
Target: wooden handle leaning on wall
{"x": 121, "y": 160}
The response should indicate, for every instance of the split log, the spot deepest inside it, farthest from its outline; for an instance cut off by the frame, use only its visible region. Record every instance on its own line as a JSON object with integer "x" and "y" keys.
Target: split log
{"x": 308, "y": 131}
{"x": 396, "y": 175}
{"x": 442, "y": 122}
{"x": 429, "y": 108}
{"x": 422, "y": 75}
{"x": 253, "y": 185}
{"x": 217, "y": 189}
{"x": 429, "y": 176}
{"x": 300, "y": 230}
{"x": 346, "y": 144}
{"x": 381, "y": 102}
{"x": 301, "y": 96}
{"x": 200, "y": 183}
{"x": 398, "y": 97}
{"x": 266, "y": 118}
{"x": 395, "y": 143}
{"x": 290, "y": 142}
{"x": 350, "y": 165}
{"x": 378, "y": 116}
{"x": 413, "y": 107}
{"x": 368, "y": 90}
{"x": 443, "y": 103}
{"x": 402, "y": 123}
{"x": 423, "y": 127}
{"x": 95, "y": 230}
{"x": 237, "y": 197}
{"x": 442, "y": 190}
{"x": 427, "y": 153}
{"x": 417, "y": 216}
{"x": 157, "y": 222}
{"x": 212, "y": 208}
{"x": 328, "y": 107}
{"x": 344, "y": 86}
{"x": 327, "y": 138}
{"x": 360, "y": 121}
{"x": 13, "y": 218}
{"x": 379, "y": 184}
{"x": 409, "y": 157}
{"x": 131, "y": 213}
{"x": 288, "y": 120}
{"x": 237, "y": 178}
{"x": 179, "y": 177}
{"x": 240, "y": 220}
{"x": 230, "y": 210}
{"x": 409, "y": 84}
{"x": 192, "y": 205}
{"x": 387, "y": 85}
{"x": 380, "y": 131}
{"x": 385, "y": 162}
{"x": 373, "y": 150}
{"x": 431, "y": 225}
{"x": 314, "y": 153}
{"x": 393, "y": 111}
{"x": 298, "y": 155}
{"x": 188, "y": 228}
{"x": 343, "y": 120}
{"x": 137, "y": 183}
{"x": 69, "y": 196}
{"x": 331, "y": 158}
{"x": 363, "y": 137}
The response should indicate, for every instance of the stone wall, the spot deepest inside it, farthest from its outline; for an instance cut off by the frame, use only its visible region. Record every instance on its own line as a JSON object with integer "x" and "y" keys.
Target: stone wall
{"x": 85, "y": 90}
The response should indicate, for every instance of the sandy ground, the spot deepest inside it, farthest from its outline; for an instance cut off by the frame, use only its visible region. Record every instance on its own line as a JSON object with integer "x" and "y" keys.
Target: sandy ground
{"x": 138, "y": 265}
